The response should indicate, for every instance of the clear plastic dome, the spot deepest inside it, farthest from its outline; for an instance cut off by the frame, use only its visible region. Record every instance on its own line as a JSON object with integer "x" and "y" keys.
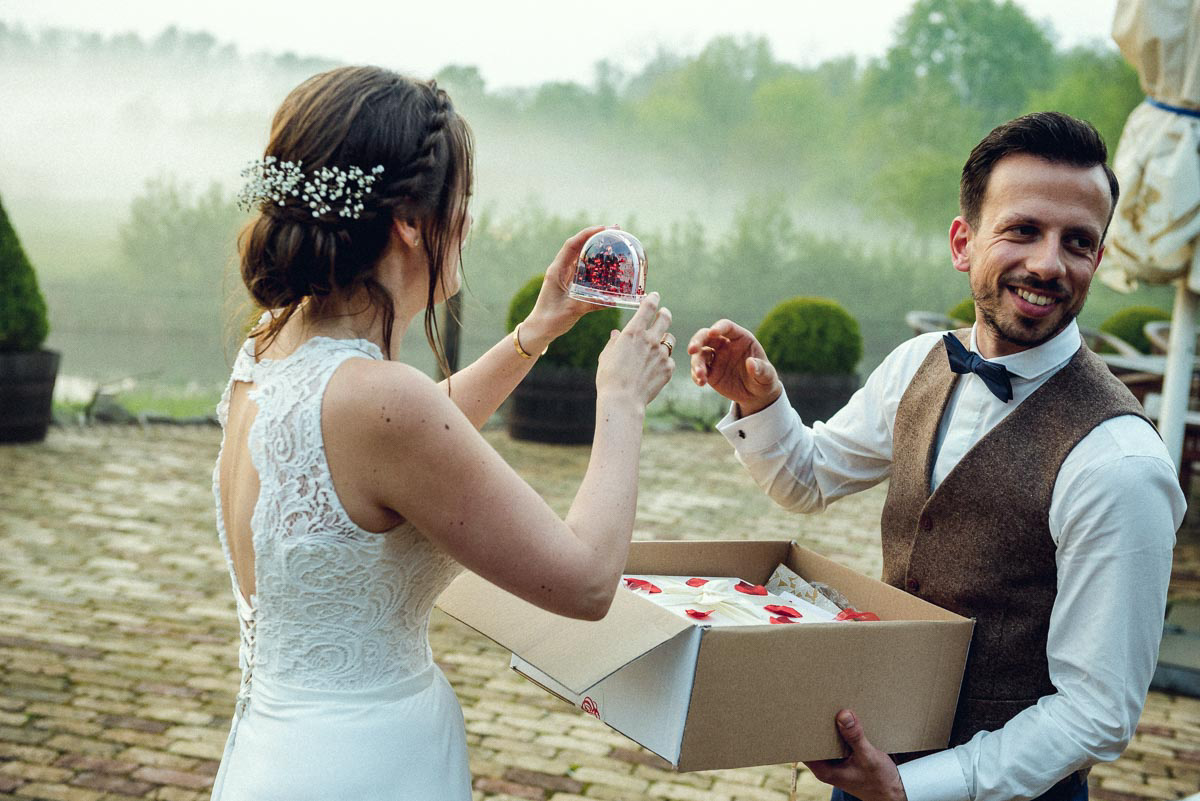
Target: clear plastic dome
{"x": 611, "y": 270}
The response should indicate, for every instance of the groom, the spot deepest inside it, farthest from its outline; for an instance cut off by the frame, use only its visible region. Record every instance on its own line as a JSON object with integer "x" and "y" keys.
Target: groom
{"x": 1026, "y": 488}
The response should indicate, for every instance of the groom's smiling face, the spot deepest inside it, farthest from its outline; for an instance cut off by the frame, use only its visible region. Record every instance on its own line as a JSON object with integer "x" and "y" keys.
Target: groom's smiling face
{"x": 1033, "y": 253}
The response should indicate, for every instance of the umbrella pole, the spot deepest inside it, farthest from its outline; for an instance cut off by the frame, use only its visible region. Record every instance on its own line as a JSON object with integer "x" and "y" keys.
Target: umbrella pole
{"x": 1177, "y": 380}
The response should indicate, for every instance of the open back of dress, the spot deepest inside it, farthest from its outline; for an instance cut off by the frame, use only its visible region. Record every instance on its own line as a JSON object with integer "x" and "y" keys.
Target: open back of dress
{"x": 340, "y": 697}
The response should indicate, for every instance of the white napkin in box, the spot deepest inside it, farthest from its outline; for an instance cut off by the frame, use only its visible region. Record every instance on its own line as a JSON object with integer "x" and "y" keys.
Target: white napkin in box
{"x": 724, "y": 600}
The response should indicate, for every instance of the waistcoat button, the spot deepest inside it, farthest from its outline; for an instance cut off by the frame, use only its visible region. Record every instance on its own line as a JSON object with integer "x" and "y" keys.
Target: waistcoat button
{"x": 926, "y": 523}
{"x": 913, "y": 585}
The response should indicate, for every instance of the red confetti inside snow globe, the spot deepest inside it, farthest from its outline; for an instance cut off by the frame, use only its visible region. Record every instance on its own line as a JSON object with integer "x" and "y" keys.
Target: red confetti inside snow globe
{"x": 611, "y": 270}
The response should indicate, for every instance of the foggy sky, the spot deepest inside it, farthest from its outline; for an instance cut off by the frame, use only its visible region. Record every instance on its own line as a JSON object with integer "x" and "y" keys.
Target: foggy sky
{"x": 528, "y": 42}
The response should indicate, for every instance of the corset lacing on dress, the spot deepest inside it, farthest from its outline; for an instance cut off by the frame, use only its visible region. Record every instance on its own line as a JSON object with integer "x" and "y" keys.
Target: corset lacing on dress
{"x": 246, "y": 649}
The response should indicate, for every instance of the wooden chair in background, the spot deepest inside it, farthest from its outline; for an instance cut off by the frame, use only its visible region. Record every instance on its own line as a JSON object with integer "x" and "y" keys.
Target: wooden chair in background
{"x": 1098, "y": 340}
{"x": 1158, "y": 333}
{"x": 924, "y": 322}
{"x": 1140, "y": 382}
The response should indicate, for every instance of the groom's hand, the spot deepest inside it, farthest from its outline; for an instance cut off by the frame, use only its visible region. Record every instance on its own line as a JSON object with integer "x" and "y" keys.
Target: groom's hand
{"x": 867, "y": 773}
{"x": 729, "y": 359}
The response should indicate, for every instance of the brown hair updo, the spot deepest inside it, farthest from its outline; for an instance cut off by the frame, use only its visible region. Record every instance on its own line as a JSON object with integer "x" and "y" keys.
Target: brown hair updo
{"x": 359, "y": 117}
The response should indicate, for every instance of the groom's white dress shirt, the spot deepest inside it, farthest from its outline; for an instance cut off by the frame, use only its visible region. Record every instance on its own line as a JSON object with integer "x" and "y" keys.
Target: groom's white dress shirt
{"x": 1113, "y": 515}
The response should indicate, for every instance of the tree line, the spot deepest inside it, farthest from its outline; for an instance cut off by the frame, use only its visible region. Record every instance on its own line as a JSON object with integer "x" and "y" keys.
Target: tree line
{"x": 882, "y": 142}
{"x": 889, "y": 134}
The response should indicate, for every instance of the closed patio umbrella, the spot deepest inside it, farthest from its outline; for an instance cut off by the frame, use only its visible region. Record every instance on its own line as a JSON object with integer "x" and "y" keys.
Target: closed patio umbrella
{"x": 1155, "y": 230}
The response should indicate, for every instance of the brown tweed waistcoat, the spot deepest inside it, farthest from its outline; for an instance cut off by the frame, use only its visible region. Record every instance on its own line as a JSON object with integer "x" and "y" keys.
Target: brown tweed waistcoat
{"x": 980, "y": 545}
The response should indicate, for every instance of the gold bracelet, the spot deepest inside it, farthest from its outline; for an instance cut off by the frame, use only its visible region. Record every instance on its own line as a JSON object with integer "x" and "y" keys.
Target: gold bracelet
{"x": 524, "y": 354}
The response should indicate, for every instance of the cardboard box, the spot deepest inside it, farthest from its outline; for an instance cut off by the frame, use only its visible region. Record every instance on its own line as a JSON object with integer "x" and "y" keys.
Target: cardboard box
{"x": 725, "y": 697}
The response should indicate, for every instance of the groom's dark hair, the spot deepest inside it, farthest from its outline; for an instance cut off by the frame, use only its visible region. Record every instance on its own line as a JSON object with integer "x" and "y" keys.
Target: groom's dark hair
{"x": 1050, "y": 135}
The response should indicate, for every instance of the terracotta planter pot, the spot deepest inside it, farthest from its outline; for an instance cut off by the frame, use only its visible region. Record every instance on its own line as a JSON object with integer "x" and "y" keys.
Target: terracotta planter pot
{"x": 554, "y": 404}
{"x": 817, "y": 397}
{"x": 26, "y": 390}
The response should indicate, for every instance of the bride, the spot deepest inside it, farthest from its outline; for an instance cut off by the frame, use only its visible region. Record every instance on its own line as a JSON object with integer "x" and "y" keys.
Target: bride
{"x": 350, "y": 488}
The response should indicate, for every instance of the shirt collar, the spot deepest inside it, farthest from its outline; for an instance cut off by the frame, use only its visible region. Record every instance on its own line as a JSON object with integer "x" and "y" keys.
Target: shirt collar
{"x": 1037, "y": 361}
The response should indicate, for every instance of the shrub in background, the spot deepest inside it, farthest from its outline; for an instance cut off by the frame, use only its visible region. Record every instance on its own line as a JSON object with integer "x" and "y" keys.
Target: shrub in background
{"x": 23, "y": 321}
{"x": 964, "y": 311}
{"x": 175, "y": 236}
{"x": 27, "y": 371}
{"x": 811, "y": 335}
{"x": 579, "y": 347}
{"x": 1128, "y": 324}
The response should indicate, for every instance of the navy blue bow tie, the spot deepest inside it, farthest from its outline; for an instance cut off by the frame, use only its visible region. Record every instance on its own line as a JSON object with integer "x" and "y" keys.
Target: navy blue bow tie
{"x": 995, "y": 376}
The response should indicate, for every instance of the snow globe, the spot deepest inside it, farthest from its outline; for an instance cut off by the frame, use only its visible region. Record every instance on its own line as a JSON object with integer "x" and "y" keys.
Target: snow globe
{"x": 611, "y": 270}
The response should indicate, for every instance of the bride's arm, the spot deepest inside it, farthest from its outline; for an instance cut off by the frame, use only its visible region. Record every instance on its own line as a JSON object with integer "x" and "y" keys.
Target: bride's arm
{"x": 480, "y": 388}
{"x": 397, "y": 444}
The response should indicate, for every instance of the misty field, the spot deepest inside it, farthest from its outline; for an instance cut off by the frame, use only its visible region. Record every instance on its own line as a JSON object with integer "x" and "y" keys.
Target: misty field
{"x": 749, "y": 179}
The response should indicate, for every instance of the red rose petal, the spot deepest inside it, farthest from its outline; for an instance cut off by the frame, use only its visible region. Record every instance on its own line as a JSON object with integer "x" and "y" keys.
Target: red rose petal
{"x": 696, "y": 582}
{"x": 779, "y": 609}
{"x": 750, "y": 589}
{"x": 642, "y": 584}
{"x": 782, "y": 620}
{"x": 696, "y": 613}
{"x": 850, "y": 613}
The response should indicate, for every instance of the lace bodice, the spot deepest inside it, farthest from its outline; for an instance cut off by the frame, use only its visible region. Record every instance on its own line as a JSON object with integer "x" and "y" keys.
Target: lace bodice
{"x": 335, "y": 607}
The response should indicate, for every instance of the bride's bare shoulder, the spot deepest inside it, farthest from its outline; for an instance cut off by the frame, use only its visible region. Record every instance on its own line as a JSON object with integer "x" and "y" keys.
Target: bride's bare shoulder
{"x": 382, "y": 397}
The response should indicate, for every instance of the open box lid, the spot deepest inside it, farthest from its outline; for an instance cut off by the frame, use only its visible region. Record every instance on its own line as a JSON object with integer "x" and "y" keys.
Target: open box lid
{"x": 576, "y": 653}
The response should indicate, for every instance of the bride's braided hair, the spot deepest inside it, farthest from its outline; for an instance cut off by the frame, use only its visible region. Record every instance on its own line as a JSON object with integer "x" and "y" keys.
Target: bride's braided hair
{"x": 360, "y": 117}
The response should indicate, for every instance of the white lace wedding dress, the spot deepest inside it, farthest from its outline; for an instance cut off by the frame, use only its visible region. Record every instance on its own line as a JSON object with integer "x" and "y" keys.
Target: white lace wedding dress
{"x": 340, "y": 697}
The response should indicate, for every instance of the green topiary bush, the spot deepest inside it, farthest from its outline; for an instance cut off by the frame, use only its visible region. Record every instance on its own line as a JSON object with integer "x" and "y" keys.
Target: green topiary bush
{"x": 811, "y": 335}
{"x": 579, "y": 347}
{"x": 1128, "y": 324}
{"x": 23, "y": 323}
{"x": 964, "y": 311}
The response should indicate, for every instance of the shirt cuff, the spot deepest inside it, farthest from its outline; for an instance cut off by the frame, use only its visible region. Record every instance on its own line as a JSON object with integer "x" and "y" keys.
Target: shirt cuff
{"x": 761, "y": 430}
{"x": 937, "y": 777}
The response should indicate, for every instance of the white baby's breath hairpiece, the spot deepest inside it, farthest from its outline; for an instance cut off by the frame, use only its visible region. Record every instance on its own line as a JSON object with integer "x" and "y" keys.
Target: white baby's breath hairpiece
{"x": 269, "y": 180}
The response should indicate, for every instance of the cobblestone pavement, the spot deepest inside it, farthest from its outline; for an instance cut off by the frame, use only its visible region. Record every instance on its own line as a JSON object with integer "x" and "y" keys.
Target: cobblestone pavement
{"x": 118, "y": 636}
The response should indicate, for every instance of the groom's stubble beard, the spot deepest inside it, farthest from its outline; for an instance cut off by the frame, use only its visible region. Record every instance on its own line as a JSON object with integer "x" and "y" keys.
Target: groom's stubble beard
{"x": 1022, "y": 331}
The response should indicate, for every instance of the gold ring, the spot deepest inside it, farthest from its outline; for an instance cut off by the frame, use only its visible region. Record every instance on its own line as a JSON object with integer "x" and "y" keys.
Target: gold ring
{"x": 668, "y": 340}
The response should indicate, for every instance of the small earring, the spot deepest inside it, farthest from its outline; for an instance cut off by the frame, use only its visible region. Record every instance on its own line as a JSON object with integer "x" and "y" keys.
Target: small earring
{"x": 416, "y": 242}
